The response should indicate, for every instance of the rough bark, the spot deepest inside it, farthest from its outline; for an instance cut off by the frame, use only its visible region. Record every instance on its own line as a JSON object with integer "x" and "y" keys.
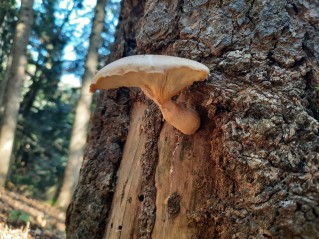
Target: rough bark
{"x": 251, "y": 170}
{"x": 110, "y": 122}
{"x": 13, "y": 92}
{"x": 83, "y": 110}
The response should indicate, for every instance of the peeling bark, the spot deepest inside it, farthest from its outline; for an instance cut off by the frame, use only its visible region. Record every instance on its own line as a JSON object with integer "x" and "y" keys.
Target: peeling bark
{"x": 251, "y": 170}
{"x": 109, "y": 126}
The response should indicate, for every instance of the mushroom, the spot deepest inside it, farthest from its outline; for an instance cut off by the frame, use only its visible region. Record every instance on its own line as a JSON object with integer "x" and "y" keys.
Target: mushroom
{"x": 160, "y": 78}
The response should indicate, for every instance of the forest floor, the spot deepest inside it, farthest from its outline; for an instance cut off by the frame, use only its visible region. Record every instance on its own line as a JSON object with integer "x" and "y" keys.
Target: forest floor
{"x": 24, "y": 218}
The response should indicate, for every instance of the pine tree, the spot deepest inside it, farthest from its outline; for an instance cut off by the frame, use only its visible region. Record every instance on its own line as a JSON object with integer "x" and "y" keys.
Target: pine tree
{"x": 82, "y": 113}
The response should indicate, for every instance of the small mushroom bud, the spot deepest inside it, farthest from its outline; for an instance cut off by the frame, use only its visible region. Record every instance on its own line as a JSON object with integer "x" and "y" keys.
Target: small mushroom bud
{"x": 160, "y": 78}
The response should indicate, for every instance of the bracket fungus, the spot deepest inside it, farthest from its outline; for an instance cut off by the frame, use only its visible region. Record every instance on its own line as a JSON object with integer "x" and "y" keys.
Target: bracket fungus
{"x": 160, "y": 78}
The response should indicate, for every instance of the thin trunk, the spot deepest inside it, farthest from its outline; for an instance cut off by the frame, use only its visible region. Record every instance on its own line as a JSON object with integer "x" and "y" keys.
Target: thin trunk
{"x": 4, "y": 84}
{"x": 82, "y": 112}
{"x": 13, "y": 90}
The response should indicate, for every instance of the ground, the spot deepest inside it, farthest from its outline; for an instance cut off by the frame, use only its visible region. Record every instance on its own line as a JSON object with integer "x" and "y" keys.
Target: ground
{"x": 24, "y": 218}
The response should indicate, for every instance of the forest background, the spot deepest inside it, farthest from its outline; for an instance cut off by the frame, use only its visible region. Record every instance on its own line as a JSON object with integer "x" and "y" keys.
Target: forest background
{"x": 55, "y": 64}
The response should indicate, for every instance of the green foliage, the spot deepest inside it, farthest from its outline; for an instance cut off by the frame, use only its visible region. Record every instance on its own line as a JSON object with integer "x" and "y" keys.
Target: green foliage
{"x": 18, "y": 216}
{"x": 5, "y": 7}
{"x": 42, "y": 144}
{"x": 6, "y": 4}
{"x": 8, "y": 19}
{"x": 46, "y": 112}
{"x": 47, "y": 108}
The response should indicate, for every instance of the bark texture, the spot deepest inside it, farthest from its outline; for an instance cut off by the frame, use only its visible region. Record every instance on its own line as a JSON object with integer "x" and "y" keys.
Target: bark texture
{"x": 251, "y": 170}
{"x": 15, "y": 76}
{"x": 83, "y": 110}
{"x": 110, "y": 121}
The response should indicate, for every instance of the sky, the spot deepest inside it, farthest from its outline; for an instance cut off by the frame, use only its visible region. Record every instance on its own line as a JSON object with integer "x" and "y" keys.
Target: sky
{"x": 79, "y": 19}
{"x": 69, "y": 52}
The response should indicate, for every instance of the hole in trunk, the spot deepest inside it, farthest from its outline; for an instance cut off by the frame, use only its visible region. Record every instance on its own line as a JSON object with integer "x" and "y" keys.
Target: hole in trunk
{"x": 141, "y": 197}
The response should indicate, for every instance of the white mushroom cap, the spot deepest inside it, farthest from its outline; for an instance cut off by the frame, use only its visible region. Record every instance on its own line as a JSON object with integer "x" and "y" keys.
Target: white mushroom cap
{"x": 160, "y": 77}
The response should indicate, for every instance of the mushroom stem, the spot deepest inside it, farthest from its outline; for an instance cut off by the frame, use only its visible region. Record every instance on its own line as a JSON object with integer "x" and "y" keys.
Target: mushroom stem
{"x": 184, "y": 119}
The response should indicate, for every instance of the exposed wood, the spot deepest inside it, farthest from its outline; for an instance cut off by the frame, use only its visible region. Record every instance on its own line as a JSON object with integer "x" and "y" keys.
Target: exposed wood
{"x": 183, "y": 181}
{"x": 127, "y": 200}
{"x": 109, "y": 130}
{"x": 251, "y": 170}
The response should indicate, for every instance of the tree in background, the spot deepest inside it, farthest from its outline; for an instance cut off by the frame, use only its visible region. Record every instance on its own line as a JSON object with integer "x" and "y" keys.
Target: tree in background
{"x": 251, "y": 170}
{"x": 46, "y": 112}
{"x": 83, "y": 109}
{"x": 47, "y": 106}
{"x": 16, "y": 69}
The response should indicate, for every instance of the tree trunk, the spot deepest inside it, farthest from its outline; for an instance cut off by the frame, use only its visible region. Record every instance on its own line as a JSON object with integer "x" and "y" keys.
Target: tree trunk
{"x": 13, "y": 91}
{"x": 83, "y": 110}
{"x": 251, "y": 170}
{"x": 3, "y": 86}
